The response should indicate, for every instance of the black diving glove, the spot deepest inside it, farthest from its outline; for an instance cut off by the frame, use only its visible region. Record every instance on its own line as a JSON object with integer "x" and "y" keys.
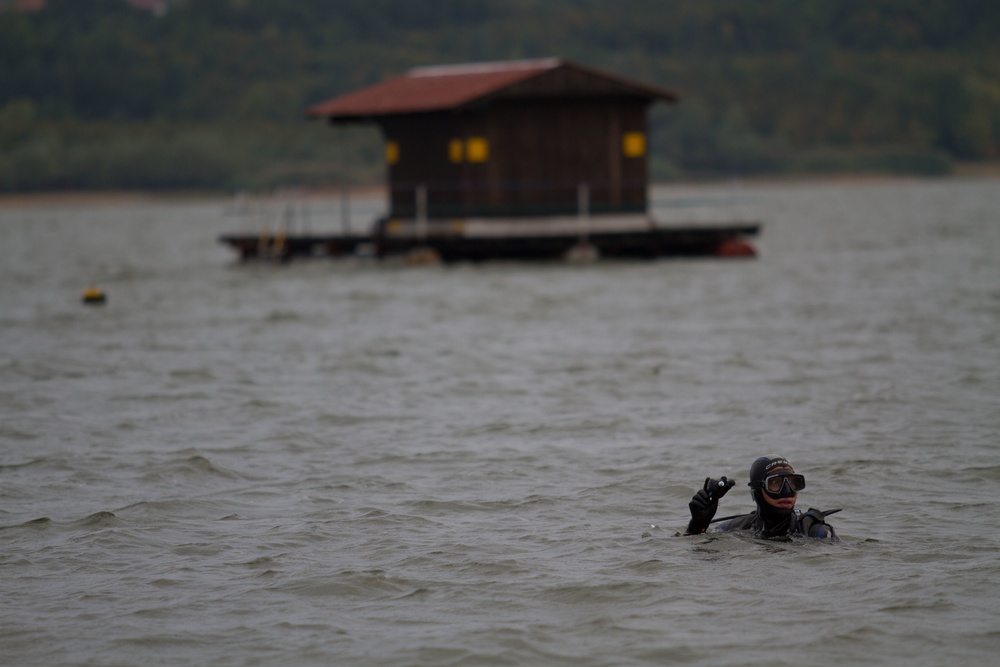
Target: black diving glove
{"x": 705, "y": 503}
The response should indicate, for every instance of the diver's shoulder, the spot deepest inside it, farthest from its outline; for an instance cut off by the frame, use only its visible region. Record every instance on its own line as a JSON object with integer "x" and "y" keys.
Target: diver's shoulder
{"x": 813, "y": 523}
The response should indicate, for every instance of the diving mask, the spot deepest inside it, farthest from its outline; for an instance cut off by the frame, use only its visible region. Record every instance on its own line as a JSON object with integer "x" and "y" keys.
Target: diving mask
{"x": 775, "y": 485}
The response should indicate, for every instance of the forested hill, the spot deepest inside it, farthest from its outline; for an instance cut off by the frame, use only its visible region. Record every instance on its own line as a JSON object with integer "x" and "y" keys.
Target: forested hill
{"x": 98, "y": 93}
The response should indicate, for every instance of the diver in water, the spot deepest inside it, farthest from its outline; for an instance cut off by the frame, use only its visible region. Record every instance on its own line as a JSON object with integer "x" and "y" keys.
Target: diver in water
{"x": 774, "y": 487}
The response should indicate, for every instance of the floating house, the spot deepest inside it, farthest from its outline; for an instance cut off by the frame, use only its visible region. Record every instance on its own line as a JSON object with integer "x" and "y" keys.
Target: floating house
{"x": 532, "y": 159}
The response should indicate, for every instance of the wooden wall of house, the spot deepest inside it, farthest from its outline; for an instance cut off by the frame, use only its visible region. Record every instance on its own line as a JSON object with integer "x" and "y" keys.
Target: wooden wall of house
{"x": 521, "y": 158}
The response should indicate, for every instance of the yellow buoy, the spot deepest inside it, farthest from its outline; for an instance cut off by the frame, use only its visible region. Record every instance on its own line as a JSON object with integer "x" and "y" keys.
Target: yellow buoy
{"x": 94, "y": 295}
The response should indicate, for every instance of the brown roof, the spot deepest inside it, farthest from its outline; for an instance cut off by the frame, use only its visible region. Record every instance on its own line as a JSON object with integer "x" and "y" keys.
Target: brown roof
{"x": 452, "y": 87}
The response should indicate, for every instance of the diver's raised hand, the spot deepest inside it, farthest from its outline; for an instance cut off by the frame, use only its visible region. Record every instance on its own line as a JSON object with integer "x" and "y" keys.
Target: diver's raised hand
{"x": 716, "y": 488}
{"x": 705, "y": 503}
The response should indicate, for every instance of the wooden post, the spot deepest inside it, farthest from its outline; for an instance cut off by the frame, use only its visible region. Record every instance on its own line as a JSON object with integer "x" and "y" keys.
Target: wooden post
{"x": 345, "y": 208}
{"x": 583, "y": 209}
{"x": 345, "y": 201}
{"x": 422, "y": 212}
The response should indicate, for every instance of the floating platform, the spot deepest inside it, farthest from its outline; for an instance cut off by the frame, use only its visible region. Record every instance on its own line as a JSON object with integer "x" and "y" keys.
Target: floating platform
{"x": 476, "y": 240}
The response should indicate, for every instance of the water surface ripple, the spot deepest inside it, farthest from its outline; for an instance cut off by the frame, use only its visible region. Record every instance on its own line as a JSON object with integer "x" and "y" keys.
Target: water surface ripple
{"x": 359, "y": 464}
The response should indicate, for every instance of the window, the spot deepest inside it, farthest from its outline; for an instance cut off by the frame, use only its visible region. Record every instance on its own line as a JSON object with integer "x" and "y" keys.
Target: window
{"x": 477, "y": 149}
{"x": 455, "y": 151}
{"x": 633, "y": 144}
{"x": 391, "y": 152}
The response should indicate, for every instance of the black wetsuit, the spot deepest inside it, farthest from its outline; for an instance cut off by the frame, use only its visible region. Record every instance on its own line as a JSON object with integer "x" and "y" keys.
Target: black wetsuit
{"x": 810, "y": 524}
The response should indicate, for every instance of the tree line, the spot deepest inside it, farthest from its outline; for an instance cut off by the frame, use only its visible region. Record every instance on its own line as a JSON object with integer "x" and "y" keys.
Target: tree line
{"x": 98, "y": 94}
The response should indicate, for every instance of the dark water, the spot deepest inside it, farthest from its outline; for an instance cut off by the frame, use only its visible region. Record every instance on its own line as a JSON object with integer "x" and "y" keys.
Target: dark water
{"x": 353, "y": 464}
